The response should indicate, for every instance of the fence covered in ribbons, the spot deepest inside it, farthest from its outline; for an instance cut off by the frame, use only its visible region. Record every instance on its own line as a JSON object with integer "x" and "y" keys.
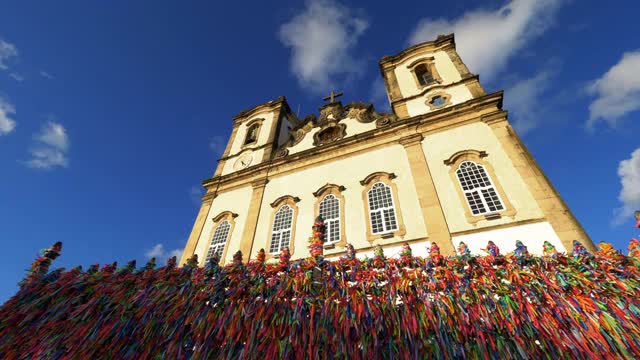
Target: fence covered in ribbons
{"x": 565, "y": 306}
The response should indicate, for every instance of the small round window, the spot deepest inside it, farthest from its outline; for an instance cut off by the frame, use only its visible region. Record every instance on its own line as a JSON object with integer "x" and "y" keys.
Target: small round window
{"x": 437, "y": 101}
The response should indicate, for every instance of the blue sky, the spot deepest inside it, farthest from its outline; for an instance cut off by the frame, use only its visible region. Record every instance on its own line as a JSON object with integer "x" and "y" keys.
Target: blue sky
{"x": 112, "y": 113}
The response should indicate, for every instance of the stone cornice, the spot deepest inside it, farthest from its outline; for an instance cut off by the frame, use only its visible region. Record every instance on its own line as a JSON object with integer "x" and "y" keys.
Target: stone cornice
{"x": 259, "y": 183}
{"x": 427, "y": 89}
{"x": 442, "y": 42}
{"x": 208, "y": 197}
{"x": 244, "y": 149}
{"x": 411, "y": 140}
{"x": 268, "y": 106}
{"x": 442, "y": 118}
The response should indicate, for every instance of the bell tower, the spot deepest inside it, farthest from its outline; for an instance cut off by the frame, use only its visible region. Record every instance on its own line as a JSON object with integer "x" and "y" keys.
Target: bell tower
{"x": 428, "y": 77}
{"x": 257, "y": 132}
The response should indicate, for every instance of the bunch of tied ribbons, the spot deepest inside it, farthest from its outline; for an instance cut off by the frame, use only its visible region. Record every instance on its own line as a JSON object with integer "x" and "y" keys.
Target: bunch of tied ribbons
{"x": 514, "y": 305}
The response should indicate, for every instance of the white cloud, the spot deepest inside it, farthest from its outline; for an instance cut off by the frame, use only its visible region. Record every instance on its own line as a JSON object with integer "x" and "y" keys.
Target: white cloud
{"x": 487, "y": 39}
{"x": 7, "y": 52}
{"x": 46, "y": 158}
{"x": 55, "y": 135}
{"x": 7, "y": 124}
{"x": 51, "y": 147}
{"x": 629, "y": 172}
{"x": 522, "y": 102}
{"x": 46, "y": 74}
{"x": 17, "y": 77}
{"x": 161, "y": 254}
{"x": 321, "y": 39}
{"x": 617, "y": 91}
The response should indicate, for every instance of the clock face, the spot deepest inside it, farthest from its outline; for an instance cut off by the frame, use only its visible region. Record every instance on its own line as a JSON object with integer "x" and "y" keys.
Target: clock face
{"x": 243, "y": 161}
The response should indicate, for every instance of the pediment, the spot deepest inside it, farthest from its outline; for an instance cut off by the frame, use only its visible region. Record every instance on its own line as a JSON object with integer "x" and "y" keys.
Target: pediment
{"x": 331, "y": 126}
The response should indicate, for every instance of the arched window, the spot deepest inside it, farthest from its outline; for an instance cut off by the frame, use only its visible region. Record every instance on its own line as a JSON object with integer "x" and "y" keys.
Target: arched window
{"x": 219, "y": 240}
{"x": 478, "y": 189}
{"x": 381, "y": 206}
{"x": 424, "y": 76}
{"x": 329, "y": 209}
{"x": 381, "y": 209}
{"x": 252, "y": 134}
{"x": 330, "y": 205}
{"x": 425, "y": 72}
{"x": 281, "y": 231}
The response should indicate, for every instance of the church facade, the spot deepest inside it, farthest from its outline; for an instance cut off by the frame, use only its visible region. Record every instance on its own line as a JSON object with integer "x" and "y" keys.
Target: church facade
{"x": 444, "y": 166}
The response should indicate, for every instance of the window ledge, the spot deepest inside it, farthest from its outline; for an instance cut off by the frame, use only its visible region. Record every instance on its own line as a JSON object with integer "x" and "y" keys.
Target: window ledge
{"x": 492, "y": 216}
{"x": 329, "y": 246}
{"x": 387, "y": 235}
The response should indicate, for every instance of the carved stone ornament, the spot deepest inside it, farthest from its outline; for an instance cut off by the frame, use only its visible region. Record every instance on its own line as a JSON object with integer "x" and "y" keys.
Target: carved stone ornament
{"x": 282, "y": 151}
{"x": 384, "y": 119}
{"x": 297, "y": 134}
{"x": 330, "y": 112}
{"x": 362, "y": 112}
{"x": 331, "y": 128}
{"x": 330, "y": 132}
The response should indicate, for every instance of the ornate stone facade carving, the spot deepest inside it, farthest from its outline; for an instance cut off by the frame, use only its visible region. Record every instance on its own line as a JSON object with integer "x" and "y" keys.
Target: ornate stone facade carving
{"x": 384, "y": 119}
{"x": 360, "y": 111}
{"x": 331, "y": 126}
{"x": 329, "y": 132}
{"x": 331, "y": 112}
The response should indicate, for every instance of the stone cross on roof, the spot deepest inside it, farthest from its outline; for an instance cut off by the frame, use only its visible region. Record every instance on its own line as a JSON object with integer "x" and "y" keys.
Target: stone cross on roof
{"x": 332, "y": 96}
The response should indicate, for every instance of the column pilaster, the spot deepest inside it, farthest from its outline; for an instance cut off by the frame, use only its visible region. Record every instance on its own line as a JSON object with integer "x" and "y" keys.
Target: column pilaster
{"x": 437, "y": 228}
{"x": 249, "y": 233}
{"x": 196, "y": 231}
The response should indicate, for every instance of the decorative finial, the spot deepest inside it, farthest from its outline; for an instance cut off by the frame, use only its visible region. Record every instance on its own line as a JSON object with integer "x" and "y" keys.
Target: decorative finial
{"x": 521, "y": 249}
{"x": 435, "y": 258}
{"x": 285, "y": 255}
{"x": 316, "y": 241}
{"x": 237, "y": 258}
{"x": 579, "y": 249}
{"x": 463, "y": 249}
{"x": 549, "y": 250}
{"x": 151, "y": 264}
{"x": 261, "y": 256}
{"x": 378, "y": 257}
{"x": 351, "y": 253}
{"x": 634, "y": 248}
{"x": 492, "y": 249}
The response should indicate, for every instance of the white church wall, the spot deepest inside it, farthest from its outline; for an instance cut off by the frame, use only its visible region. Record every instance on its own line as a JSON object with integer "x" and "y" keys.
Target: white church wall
{"x": 477, "y": 136}
{"x": 445, "y": 67}
{"x": 419, "y": 248}
{"x": 459, "y": 94}
{"x": 347, "y": 172}
{"x": 304, "y": 144}
{"x": 283, "y": 134}
{"x": 355, "y": 127}
{"x": 531, "y": 235}
{"x": 237, "y": 201}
